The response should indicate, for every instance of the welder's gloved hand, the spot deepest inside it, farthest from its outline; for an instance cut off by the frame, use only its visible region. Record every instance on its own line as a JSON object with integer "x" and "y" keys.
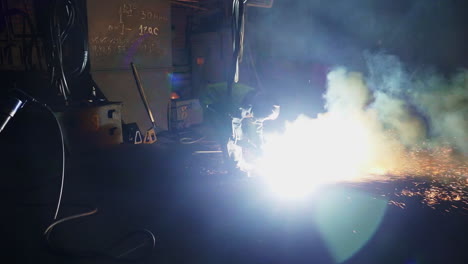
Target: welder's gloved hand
{"x": 262, "y": 106}
{"x": 274, "y": 113}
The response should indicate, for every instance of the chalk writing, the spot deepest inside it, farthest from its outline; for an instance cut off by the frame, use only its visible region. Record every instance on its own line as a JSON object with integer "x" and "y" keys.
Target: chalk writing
{"x": 150, "y": 15}
{"x": 121, "y": 29}
{"x": 148, "y": 30}
{"x": 126, "y": 10}
{"x": 109, "y": 49}
{"x": 134, "y": 29}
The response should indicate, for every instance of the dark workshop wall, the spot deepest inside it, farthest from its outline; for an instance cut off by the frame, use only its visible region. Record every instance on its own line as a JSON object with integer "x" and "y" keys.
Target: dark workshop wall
{"x": 136, "y": 31}
{"x": 181, "y": 80}
{"x": 210, "y": 57}
{"x": 21, "y": 45}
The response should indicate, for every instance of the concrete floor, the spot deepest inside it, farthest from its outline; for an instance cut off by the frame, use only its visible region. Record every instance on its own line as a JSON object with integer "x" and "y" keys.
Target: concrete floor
{"x": 198, "y": 213}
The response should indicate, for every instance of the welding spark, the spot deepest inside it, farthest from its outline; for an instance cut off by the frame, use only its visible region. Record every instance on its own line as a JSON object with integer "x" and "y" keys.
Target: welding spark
{"x": 332, "y": 148}
{"x": 367, "y": 132}
{"x": 318, "y": 151}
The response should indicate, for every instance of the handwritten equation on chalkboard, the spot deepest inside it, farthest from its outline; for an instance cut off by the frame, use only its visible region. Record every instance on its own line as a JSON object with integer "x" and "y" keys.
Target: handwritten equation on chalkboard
{"x": 130, "y": 31}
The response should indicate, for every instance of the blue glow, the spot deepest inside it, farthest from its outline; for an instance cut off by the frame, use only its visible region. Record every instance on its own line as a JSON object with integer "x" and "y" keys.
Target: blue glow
{"x": 347, "y": 220}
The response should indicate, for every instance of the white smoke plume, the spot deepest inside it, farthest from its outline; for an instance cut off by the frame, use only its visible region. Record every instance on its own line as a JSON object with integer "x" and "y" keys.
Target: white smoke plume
{"x": 388, "y": 122}
{"x": 384, "y": 121}
{"x": 420, "y": 106}
{"x": 445, "y": 104}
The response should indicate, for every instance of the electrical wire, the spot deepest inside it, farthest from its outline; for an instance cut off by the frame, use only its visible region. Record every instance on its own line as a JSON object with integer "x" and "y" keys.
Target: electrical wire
{"x": 129, "y": 251}
{"x": 62, "y": 182}
{"x": 106, "y": 252}
{"x": 59, "y": 30}
{"x": 48, "y": 231}
{"x": 188, "y": 140}
{"x": 57, "y": 37}
{"x": 62, "y": 142}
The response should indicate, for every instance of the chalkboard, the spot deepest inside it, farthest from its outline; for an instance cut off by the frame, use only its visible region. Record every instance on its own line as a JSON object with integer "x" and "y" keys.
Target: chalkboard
{"x": 122, "y": 31}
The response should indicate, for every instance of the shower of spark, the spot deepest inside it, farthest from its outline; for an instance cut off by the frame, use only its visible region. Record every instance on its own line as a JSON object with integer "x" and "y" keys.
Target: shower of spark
{"x": 331, "y": 149}
{"x": 438, "y": 177}
{"x": 368, "y": 135}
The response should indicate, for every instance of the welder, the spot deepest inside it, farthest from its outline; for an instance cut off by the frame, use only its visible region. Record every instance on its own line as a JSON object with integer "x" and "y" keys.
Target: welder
{"x": 245, "y": 144}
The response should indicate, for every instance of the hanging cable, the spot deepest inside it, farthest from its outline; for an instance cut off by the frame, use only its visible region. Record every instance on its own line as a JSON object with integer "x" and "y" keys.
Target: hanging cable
{"x": 64, "y": 17}
{"x": 62, "y": 143}
{"x": 237, "y": 27}
{"x": 124, "y": 256}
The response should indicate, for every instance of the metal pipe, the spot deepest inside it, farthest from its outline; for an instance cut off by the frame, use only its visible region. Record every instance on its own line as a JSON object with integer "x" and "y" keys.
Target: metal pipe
{"x": 269, "y": 4}
{"x": 188, "y": 5}
{"x": 142, "y": 93}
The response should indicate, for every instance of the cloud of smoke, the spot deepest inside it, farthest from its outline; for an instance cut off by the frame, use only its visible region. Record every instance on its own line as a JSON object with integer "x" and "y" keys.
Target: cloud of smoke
{"x": 384, "y": 121}
{"x": 396, "y": 116}
{"x": 445, "y": 103}
{"x": 424, "y": 106}
{"x": 388, "y": 122}
{"x": 346, "y": 91}
{"x": 402, "y": 114}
